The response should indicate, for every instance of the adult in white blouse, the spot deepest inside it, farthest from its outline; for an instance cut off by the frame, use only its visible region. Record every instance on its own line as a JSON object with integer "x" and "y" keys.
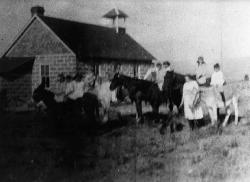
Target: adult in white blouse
{"x": 201, "y": 71}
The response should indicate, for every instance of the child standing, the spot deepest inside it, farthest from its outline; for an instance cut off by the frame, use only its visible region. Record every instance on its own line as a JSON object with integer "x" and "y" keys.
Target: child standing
{"x": 217, "y": 81}
{"x": 193, "y": 114}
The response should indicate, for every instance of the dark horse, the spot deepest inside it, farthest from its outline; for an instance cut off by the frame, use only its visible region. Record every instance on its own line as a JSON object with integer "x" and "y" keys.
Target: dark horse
{"x": 88, "y": 103}
{"x": 172, "y": 89}
{"x": 139, "y": 90}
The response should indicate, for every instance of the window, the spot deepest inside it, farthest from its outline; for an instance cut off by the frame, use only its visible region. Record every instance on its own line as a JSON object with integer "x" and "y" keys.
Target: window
{"x": 45, "y": 75}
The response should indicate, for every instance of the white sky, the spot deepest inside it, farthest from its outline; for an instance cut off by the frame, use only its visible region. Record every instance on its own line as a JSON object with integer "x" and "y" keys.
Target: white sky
{"x": 179, "y": 31}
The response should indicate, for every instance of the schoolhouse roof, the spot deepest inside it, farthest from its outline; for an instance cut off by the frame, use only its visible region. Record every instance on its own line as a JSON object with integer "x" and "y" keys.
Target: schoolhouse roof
{"x": 94, "y": 41}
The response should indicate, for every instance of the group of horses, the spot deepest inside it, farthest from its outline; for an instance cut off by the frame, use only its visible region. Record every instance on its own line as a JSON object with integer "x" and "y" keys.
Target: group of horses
{"x": 171, "y": 94}
{"x": 139, "y": 90}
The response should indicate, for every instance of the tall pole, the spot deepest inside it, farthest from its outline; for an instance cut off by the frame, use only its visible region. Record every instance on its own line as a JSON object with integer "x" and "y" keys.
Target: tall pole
{"x": 221, "y": 34}
{"x": 221, "y": 47}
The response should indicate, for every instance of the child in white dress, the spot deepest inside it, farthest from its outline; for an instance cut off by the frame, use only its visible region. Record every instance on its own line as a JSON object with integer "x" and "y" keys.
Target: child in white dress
{"x": 190, "y": 93}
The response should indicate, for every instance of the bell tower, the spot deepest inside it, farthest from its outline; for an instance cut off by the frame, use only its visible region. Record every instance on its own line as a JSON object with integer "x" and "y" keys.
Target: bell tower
{"x": 118, "y": 18}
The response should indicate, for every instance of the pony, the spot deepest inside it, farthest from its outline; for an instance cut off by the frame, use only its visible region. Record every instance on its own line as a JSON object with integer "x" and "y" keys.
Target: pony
{"x": 139, "y": 90}
{"x": 57, "y": 110}
{"x": 173, "y": 84}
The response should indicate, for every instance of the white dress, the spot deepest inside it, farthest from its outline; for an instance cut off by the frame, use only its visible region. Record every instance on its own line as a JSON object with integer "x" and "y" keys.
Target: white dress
{"x": 189, "y": 91}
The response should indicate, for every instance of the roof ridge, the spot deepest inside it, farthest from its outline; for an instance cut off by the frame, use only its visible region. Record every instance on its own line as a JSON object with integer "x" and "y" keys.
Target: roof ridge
{"x": 76, "y": 22}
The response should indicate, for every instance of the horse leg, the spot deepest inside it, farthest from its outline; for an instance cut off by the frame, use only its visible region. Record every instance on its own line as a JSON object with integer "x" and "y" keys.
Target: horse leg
{"x": 138, "y": 103}
{"x": 213, "y": 115}
{"x": 139, "y": 111}
{"x": 171, "y": 105}
{"x": 227, "y": 117}
{"x": 156, "y": 113}
{"x": 236, "y": 110}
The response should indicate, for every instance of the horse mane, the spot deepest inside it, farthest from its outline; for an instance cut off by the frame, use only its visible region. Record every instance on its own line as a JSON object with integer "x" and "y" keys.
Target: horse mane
{"x": 181, "y": 77}
{"x": 128, "y": 78}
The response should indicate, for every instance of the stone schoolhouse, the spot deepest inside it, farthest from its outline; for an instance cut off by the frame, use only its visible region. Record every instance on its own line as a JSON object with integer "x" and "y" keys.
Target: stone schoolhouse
{"x": 48, "y": 46}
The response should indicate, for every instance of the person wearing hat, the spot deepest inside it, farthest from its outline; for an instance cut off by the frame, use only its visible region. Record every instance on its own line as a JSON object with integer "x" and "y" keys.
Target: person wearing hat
{"x": 60, "y": 88}
{"x": 201, "y": 71}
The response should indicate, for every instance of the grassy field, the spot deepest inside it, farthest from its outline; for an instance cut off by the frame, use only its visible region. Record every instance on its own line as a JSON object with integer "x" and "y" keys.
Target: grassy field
{"x": 30, "y": 151}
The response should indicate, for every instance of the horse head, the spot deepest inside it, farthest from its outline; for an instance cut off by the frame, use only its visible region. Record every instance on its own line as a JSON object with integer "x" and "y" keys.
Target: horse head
{"x": 116, "y": 82}
{"x": 41, "y": 94}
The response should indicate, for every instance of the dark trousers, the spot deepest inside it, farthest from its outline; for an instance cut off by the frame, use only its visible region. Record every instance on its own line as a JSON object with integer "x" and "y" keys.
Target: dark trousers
{"x": 195, "y": 123}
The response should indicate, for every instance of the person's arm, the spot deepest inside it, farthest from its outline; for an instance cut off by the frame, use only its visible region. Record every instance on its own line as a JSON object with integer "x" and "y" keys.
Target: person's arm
{"x": 147, "y": 74}
{"x": 182, "y": 99}
{"x": 223, "y": 79}
{"x": 182, "y": 102}
{"x": 196, "y": 91}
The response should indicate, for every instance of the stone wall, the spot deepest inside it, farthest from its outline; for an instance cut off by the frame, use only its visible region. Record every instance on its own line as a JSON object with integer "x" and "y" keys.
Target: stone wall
{"x": 129, "y": 69}
{"x": 105, "y": 68}
{"x": 61, "y": 63}
{"x": 84, "y": 68}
